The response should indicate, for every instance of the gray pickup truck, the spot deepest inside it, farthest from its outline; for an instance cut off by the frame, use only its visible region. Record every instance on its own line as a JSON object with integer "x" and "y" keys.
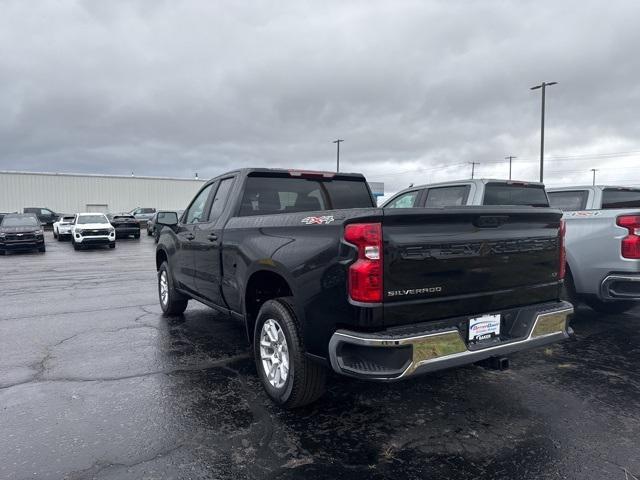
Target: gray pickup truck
{"x": 603, "y": 245}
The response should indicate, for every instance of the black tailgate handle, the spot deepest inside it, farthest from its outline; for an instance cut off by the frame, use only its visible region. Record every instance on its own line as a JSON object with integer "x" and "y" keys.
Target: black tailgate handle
{"x": 490, "y": 221}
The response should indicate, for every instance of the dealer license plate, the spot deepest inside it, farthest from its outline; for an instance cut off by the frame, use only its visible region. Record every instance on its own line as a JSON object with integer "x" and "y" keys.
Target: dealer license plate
{"x": 485, "y": 327}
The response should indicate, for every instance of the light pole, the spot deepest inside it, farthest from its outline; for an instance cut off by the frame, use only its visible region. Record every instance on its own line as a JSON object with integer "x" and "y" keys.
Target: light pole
{"x": 473, "y": 168}
{"x": 510, "y": 158}
{"x": 543, "y": 86}
{"x": 338, "y": 142}
{"x": 594, "y": 170}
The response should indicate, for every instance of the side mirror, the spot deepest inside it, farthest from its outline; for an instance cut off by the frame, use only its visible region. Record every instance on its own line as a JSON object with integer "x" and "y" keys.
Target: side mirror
{"x": 168, "y": 219}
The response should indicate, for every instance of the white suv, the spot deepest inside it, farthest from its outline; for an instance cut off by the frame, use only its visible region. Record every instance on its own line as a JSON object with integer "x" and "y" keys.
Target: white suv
{"x": 92, "y": 229}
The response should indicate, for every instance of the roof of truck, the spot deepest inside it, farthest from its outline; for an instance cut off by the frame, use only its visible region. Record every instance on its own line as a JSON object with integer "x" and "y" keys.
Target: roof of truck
{"x": 586, "y": 187}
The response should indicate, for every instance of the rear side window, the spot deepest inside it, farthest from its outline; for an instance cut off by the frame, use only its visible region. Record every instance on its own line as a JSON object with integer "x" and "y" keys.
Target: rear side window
{"x": 406, "y": 200}
{"x": 452, "y": 196}
{"x": 568, "y": 201}
{"x": 614, "y": 198}
{"x": 270, "y": 195}
{"x": 220, "y": 199}
{"x": 515, "y": 194}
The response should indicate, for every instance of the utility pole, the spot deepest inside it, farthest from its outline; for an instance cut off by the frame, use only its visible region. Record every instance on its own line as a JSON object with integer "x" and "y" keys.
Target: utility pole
{"x": 473, "y": 168}
{"x": 543, "y": 86}
{"x": 594, "y": 170}
{"x": 510, "y": 158}
{"x": 338, "y": 142}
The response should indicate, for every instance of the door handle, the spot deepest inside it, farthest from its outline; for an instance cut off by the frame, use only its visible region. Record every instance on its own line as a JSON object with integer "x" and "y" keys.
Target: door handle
{"x": 212, "y": 237}
{"x": 189, "y": 236}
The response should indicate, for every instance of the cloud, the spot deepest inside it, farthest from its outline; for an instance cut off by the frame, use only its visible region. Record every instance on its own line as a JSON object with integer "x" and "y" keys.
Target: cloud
{"x": 417, "y": 89}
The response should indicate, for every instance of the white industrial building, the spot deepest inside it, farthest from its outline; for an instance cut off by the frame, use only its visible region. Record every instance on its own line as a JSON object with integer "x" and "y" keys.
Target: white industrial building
{"x": 69, "y": 193}
{"x": 64, "y": 192}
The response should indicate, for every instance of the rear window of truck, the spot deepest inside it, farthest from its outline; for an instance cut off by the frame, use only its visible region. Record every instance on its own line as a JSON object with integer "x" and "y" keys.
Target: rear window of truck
{"x": 515, "y": 194}
{"x": 615, "y": 198}
{"x": 265, "y": 195}
{"x": 569, "y": 201}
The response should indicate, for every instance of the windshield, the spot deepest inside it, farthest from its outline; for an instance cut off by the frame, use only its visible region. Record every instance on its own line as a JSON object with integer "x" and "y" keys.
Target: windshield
{"x": 84, "y": 219}
{"x": 269, "y": 195}
{"x": 515, "y": 194}
{"x": 26, "y": 221}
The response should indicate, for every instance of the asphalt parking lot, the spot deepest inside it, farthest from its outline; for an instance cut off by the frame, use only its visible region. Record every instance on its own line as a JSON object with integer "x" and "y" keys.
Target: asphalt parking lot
{"x": 95, "y": 383}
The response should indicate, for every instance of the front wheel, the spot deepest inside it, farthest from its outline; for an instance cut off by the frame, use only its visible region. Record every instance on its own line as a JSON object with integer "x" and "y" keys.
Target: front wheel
{"x": 42, "y": 249}
{"x": 112, "y": 245}
{"x": 610, "y": 307}
{"x": 172, "y": 302}
{"x": 55, "y": 235}
{"x": 287, "y": 375}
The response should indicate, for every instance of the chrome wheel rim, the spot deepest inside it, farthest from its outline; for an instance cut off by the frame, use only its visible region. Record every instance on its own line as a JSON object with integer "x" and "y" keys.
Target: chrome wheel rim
{"x": 164, "y": 288}
{"x": 274, "y": 353}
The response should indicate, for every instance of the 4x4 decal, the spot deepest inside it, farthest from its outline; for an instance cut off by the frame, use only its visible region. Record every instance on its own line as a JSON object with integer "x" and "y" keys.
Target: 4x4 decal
{"x": 318, "y": 220}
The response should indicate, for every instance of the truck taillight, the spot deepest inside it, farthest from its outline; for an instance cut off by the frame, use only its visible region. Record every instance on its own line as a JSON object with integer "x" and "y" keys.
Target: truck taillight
{"x": 365, "y": 275}
{"x": 630, "y": 247}
{"x": 562, "y": 268}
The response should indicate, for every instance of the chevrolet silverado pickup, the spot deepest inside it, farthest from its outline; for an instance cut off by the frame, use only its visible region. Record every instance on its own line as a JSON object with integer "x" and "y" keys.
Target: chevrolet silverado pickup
{"x": 603, "y": 245}
{"x": 321, "y": 278}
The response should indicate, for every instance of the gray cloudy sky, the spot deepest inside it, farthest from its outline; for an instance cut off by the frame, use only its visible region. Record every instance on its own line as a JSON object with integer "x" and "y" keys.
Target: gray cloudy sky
{"x": 416, "y": 88}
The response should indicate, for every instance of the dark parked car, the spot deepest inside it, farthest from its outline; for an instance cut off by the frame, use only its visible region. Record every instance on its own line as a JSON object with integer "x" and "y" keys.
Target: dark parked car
{"x": 143, "y": 214}
{"x": 323, "y": 279}
{"x": 45, "y": 215}
{"x": 125, "y": 224}
{"x": 19, "y": 231}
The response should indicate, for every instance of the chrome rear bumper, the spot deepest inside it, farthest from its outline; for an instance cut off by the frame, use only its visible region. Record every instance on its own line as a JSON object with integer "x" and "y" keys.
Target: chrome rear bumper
{"x": 392, "y": 357}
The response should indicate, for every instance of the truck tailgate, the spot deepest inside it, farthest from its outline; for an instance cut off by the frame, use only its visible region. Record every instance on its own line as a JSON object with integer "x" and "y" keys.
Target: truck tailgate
{"x": 444, "y": 262}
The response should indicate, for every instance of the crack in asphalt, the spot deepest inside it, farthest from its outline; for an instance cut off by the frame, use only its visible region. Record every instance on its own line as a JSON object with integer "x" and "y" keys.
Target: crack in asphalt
{"x": 75, "y": 312}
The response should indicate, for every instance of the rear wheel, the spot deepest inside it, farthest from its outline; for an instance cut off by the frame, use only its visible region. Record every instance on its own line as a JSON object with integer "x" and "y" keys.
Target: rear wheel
{"x": 287, "y": 375}
{"x": 172, "y": 302}
{"x": 610, "y": 307}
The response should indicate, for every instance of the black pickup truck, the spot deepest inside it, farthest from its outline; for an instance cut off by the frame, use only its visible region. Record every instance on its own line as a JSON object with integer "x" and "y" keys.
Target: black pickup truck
{"x": 322, "y": 278}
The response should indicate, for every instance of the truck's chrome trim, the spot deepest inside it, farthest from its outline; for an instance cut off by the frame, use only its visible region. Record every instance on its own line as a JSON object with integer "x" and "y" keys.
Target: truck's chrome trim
{"x": 609, "y": 294}
{"x": 438, "y": 350}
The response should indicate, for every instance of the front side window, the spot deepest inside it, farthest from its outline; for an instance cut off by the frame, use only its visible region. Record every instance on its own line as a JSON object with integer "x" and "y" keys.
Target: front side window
{"x": 406, "y": 200}
{"x": 453, "y": 196}
{"x": 196, "y": 212}
{"x": 568, "y": 201}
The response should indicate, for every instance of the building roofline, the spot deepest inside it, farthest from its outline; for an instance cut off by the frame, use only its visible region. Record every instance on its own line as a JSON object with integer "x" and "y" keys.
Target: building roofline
{"x": 99, "y": 175}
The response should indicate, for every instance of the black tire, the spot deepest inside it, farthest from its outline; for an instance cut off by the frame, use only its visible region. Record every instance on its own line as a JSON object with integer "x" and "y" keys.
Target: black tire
{"x": 76, "y": 246}
{"x": 55, "y": 235}
{"x": 569, "y": 290}
{"x": 112, "y": 245}
{"x": 42, "y": 249}
{"x": 3, "y": 252}
{"x": 136, "y": 236}
{"x": 610, "y": 307}
{"x": 59, "y": 237}
{"x": 305, "y": 380}
{"x": 175, "y": 302}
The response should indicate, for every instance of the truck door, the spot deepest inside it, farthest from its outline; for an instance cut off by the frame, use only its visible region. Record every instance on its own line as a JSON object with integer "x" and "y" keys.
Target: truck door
{"x": 197, "y": 213}
{"x": 207, "y": 247}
